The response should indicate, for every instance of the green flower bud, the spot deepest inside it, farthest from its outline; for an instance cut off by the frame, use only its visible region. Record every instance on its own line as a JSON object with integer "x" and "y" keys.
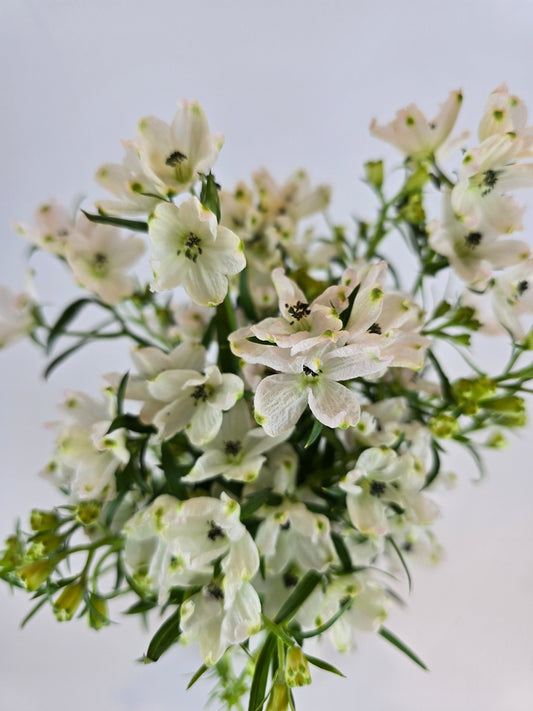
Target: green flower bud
{"x": 13, "y": 554}
{"x": 279, "y": 696}
{"x": 374, "y": 173}
{"x": 509, "y": 404}
{"x": 34, "y": 574}
{"x": 444, "y": 426}
{"x": 497, "y": 441}
{"x": 68, "y": 602}
{"x": 43, "y": 544}
{"x": 87, "y": 512}
{"x": 97, "y": 616}
{"x": 43, "y": 520}
{"x": 297, "y": 668}
{"x": 527, "y": 343}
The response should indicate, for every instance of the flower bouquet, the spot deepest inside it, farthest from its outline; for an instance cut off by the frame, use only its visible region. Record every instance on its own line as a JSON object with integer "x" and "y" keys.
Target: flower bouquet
{"x": 262, "y": 473}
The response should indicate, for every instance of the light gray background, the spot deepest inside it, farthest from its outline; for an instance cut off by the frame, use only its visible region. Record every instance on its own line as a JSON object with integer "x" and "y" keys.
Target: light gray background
{"x": 290, "y": 84}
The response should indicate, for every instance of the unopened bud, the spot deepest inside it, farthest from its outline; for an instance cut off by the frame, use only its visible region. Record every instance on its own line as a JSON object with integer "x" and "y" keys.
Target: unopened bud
{"x": 68, "y": 602}
{"x": 374, "y": 173}
{"x": 43, "y": 520}
{"x": 43, "y": 544}
{"x": 497, "y": 441}
{"x": 297, "y": 668}
{"x": 444, "y": 426}
{"x": 34, "y": 574}
{"x": 87, "y": 512}
{"x": 279, "y": 696}
{"x": 97, "y": 617}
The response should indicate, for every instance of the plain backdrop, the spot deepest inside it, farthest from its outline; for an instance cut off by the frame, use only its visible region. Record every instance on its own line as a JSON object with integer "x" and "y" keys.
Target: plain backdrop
{"x": 290, "y": 84}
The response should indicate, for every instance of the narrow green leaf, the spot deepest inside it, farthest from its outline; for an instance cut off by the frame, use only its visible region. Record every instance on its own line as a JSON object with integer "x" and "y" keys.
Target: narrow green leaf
{"x": 140, "y": 607}
{"x": 112, "y": 507}
{"x": 402, "y": 560}
{"x": 315, "y": 433}
{"x": 444, "y": 381}
{"x": 345, "y": 316}
{"x": 121, "y": 392}
{"x": 342, "y": 552}
{"x": 278, "y": 631}
{"x": 323, "y": 628}
{"x": 200, "y": 672}
{"x": 135, "y": 225}
{"x": 435, "y": 469}
{"x": 132, "y": 423}
{"x": 32, "y": 612}
{"x": 164, "y": 638}
{"x": 260, "y": 678}
{"x": 321, "y": 664}
{"x": 209, "y": 195}
{"x": 245, "y": 298}
{"x": 390, "y": 637}
{"x": 299, "y": 595}
{"x": 68, "y": 315}
{"x": 62, "y": 356}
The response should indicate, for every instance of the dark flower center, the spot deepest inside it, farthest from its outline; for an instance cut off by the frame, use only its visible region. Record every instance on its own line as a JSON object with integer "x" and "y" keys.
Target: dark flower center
{"x": 473, "y": 239}
{"x": 232, "y": 447}
{"x": 215, "y": 531}
{"x": 298, "y": 310}
{"x": 377, "y": 488}
{"x": 175, "y": 158}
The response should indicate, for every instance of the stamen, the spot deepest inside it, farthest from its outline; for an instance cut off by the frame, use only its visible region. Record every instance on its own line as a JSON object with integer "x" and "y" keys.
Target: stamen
{"x": 374, "y": 328}
{"x": 298, "y": 311}
{"x": 232, "y": 448}
{"x": 377, "y": 488}
{"x": 307, "y": 371}
{"x": 216, "y": 592}
{"x": 490, "y": 178}
{"x": 522, "y": 287}
{"x": 200, "y": 393}
{"x": 193, "y": 249}
{"x": 215, "y": 531}
{"x": 473, "y": 239}
{"x": 175, "y": 158}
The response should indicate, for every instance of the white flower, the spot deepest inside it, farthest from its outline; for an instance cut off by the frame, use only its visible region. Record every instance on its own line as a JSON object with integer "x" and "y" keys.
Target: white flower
{"x": 194, "y": 402}
{"x": 99, "y": 255}
{"x": 51, "y": 229}
{"x": 415, "y": 136}
{"x": 190, "y": 248}
{"x": 290, "y": 533}
{"x": 87, "y": 457}
{"x": 382, "y": 477}
{"x": 473, "y": 251}
{"x": 217, "y": 621}
{"x": 136, "y": 192}
{"x": 486, "y": 175}
{"x": 512, "y": 296}
{"x": 174, "y": 155}
{"x": 16, "y": 316}
{"x": 295, "y": 198}
{"x": 504, "y": 113}
{"x": 236, "y": 453}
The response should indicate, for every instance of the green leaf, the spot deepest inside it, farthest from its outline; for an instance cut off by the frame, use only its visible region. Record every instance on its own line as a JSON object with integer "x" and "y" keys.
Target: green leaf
{"x": 321, "y": 664}
{"x": 260, "y": 678}
{"x": 402, "y": 560}
{"x": 314, "y": 434}
{"x": 164, "y": 638}
{"x": 140, "y": 607}
{"x": 390, "y": 637}
{"x": 134, "y": 225}
{"x": 345, "y": 316}
{"x": 323, "y": 628}
{"x": 444, "y": 381}
{"x": 68, "y": 315}
{"x": 298, "y": 596}
{"x": 121, "y": 393}
{"x": 255, "y": 501}
{"x": 435, "y": 469}
{"x": 132, "y": 423}
{"x": 209, "y": 195}
{"x": 278, "y": 631}
{"x": 173, "y": 472}
{"x": 32, "y": 612}
{"x": 197, "y": 674}
{"x": 342, "y": 552}
{"x": 112, "y": 507}
{"x": 245, "y": 298}
{"x": 62, "y": 356}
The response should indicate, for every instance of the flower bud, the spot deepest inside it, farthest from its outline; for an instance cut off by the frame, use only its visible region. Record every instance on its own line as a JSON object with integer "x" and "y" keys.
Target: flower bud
{"x": 297, "y": 668}
{"x": 97, "y": 616}
{"x": 444, "y": 426}
{"x": 497, "y": 441}
{"x": 87, "y": 512}
{"x": 68, "y": 602}
{"x": 527, "y": 343}
{"x": 43, "y": 520}
{"x": 34, "y": 574}
{"x": 43, "y": 544}
{"x": 374, "y": 173}
{"x": 279, "y": 696}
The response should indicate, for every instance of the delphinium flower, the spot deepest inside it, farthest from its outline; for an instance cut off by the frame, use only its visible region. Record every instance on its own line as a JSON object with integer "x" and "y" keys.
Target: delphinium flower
{"x": 99, "y": 256}
{"x": 51, "y": 229}
{"x": 87, "y": 456}
{"x": 237, "y": 452}
{"x": 174, "y": 155}
{"x": 17, "y": 317}
{"x": 417, "y": 137}
{"x": 473, "y": 250}
{"x": 512, "y": 296}
{"x": 190, "y": 248}
{"x": 196, "y": 533}
{"x": 136, "y": 193}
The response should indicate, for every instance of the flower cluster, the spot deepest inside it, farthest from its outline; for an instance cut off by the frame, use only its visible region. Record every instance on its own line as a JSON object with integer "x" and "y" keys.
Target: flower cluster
{"x": 271, "y": 456}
